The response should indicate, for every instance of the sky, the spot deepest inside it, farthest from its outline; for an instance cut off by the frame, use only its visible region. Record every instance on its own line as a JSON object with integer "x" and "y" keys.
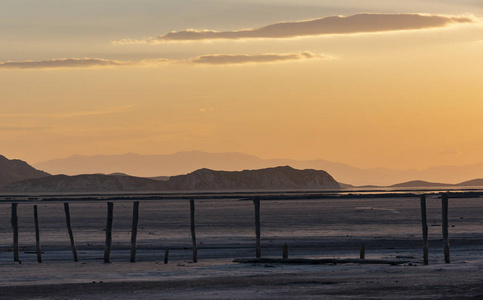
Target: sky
{"x": 392, "y": 84}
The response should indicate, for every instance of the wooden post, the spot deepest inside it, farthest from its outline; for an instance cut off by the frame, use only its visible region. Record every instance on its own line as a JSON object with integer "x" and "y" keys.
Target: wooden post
{"x": 444, "y": 202}
{"x": 166, "y": 255}
{"x": 110, "y": 213}
{"x": 193, "y": 233}
{"x": 258, "y": 250}
{"x": 69, "y": 229}
{"x": 134, "y": 230}
{"x": 362, "y": 252}
{"x": 14, "y": 221}
{"x": 424, "y": 223}
{"x": 285, "y": 251}
{"x": 37, "y": 235}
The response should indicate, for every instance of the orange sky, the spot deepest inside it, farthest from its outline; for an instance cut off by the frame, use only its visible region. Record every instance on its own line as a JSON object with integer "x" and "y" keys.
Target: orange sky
{"x": 387, "y": 91}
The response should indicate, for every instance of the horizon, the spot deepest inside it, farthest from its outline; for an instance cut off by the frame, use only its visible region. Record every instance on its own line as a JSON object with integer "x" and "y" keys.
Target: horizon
{"x": 372, "y": 84}
{"x": 181, "y": 163}
{"x": 247, "y": 154}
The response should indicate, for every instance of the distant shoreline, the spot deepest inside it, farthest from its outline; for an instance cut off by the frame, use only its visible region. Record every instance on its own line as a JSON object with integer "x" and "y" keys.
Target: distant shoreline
{"x": 244, "y": 195}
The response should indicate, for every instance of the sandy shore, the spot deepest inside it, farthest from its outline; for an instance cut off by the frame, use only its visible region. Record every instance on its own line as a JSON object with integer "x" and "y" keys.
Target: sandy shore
{"x": 330, "y": 228}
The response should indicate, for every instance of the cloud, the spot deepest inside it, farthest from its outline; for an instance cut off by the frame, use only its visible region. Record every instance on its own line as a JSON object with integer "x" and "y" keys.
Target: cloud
{"x": 228, "y": 59}
{"x": 63, "y": 63}
{"x": 360, "y": 23}
{"x": 213, "y": 59}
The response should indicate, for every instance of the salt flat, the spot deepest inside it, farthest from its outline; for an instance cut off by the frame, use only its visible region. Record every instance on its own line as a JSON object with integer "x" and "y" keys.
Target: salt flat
{"x": 324, "y": 228}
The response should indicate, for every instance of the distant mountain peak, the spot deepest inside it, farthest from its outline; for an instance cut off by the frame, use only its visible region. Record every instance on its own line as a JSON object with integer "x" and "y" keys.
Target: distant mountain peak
{"x": 12, "y": 170}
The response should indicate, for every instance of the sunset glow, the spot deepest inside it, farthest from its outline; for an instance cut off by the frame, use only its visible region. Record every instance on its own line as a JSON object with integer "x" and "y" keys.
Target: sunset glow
{"x": 372, "y": 84}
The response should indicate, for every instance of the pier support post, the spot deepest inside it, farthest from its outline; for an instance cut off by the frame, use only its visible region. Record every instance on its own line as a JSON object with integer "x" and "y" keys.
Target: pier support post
{"x": 14, "y": 221}
{"x": 37, "y": 235}
{"x": 258, "y": 250}
{"x": 424, "y": 224}
{"x": 69, "y": 229}
{"x": 444, "y": 204}
{"x": 134, "y": 230}
{"x": 362, "y": 251}
{"x": 193, "y": 232}
{"x": 110, "y": 215}
{"x": 285, "y": 251}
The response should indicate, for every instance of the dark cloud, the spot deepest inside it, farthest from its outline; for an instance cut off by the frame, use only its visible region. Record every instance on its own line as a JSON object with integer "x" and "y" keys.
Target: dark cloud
{"x": 330, "y": 25}
{"x": 213, "y": 59}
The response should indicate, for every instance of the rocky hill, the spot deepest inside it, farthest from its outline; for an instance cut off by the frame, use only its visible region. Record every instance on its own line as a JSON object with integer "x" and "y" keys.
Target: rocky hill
{"x": 278, "y": 178}
{"x": 12, "y": 170}
{"x": 83, "y": 183}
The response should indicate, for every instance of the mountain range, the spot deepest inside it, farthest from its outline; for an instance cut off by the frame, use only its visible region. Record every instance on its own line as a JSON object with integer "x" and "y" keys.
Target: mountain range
{"x": 278, "y": 178}
{"x": 18, "y": 176}
{"x": 185, "y": 162}
{"x": 426, "y": 184}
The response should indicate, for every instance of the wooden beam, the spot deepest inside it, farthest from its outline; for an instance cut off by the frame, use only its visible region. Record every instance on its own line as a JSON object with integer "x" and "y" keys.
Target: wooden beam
{"x": 166, "y": 256}
{"x": 362, "y": 251}
{"x": 69, "y": 230}
{"x": 134, "y": 230}
{"x": 37, "y": 235}
{"x": 258, "y": 249}
{"x": 14, "y": 221}
{"x": 193, "y": 231}
{"x": 110, "y": 215}
{"x": 424, "y": 224}
{"x": 445, "y": 225}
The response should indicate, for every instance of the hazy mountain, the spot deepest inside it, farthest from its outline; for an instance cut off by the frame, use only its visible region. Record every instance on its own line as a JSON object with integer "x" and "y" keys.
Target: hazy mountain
{"x": 279, "y": 178}
{"x": 475, "y": 182}
{"x": 185, "y": 162}
{"x": 419, "y": 184}
{"x": 426, "y": 184}
{"x": 16, "y": 170}
{"x": 152, "y": 165}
